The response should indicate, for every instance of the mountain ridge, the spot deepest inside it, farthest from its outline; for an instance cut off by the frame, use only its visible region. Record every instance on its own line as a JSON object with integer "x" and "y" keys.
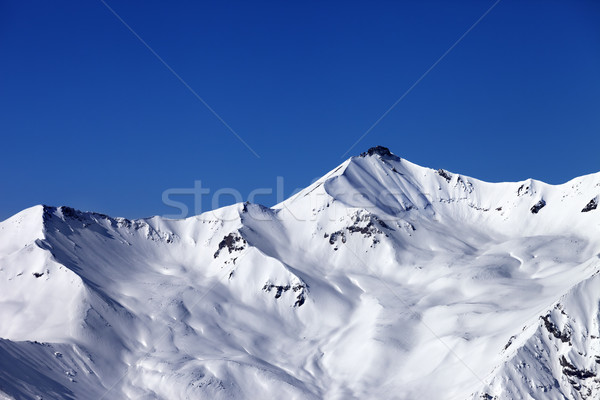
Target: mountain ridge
{"x": 383, "y": 279}
{"x": 525, "y": 187}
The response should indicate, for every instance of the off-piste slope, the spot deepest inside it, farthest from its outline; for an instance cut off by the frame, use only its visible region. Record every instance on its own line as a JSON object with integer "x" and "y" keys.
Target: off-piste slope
{"x": 382, "y": 280}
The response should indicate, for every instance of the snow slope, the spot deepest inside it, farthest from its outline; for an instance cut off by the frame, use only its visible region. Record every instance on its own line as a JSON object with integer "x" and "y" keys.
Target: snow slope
{"x": 382, "y": 280}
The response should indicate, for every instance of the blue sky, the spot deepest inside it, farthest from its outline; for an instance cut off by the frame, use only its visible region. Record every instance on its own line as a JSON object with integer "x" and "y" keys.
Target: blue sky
{"x": 90, "y": 118}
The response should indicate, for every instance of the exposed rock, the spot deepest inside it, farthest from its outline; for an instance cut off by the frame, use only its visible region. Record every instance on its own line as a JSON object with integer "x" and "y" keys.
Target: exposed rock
{"x": 538, "y": 206}
{"x": 571, "y": 370}
{"x": 232, "y": 242}
{"x": 335, "y": 235}
{"x": 523, "y": 190}
{"x": 444, "y": 174}
{"x": 510, "y": 341}
{"x": 380, "y": 151}
{"x": 363, "y": 223}
{"x": 592, "y": 205}
{"x": 564, "y": 337}
{"x": 465, "y": 185}
{"x": 300, "y": 289}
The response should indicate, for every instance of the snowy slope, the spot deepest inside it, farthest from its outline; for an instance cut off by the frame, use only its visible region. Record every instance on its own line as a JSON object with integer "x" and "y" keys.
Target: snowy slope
{"x": 382, "y": 280}
{"x": 563, "y": 348}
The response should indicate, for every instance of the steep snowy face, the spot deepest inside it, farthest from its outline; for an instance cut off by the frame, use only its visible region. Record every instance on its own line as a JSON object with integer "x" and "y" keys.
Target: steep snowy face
{"x": 555, "y": 356}
{"x": 27, "y": 289}
{"x": 383, "y": 280}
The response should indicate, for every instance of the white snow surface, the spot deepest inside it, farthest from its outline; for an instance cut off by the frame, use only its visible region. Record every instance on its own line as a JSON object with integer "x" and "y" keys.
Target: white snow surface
{"x": 382, "y": 280}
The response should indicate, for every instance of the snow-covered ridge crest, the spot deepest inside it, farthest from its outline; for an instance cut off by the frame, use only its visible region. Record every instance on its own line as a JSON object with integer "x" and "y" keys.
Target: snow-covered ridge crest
{"x": 383, "y": 279}
{"x": 393, "y": 188}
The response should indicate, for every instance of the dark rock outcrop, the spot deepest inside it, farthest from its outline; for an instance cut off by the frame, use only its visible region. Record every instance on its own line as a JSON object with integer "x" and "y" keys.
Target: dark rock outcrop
{"x": 592, "y": 205}
{"x": 538, "y": 206}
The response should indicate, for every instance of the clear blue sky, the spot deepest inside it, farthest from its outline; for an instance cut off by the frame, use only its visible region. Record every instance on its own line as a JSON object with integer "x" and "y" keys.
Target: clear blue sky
{"x": 90, "y": 118}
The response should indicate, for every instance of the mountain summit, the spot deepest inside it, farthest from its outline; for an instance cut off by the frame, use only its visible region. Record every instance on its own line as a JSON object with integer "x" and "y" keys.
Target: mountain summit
{"x": 380, "y": 151}
{"x": 383, "y": 279}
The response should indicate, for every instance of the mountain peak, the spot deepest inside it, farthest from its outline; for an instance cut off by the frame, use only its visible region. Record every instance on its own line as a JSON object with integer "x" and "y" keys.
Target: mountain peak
{"x": 380, "y": 151}
{"x": 83, "y": 292}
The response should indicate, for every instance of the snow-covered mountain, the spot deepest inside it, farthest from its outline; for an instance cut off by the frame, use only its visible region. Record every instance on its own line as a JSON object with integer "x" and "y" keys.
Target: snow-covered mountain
{"x": 382, "y": 280}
